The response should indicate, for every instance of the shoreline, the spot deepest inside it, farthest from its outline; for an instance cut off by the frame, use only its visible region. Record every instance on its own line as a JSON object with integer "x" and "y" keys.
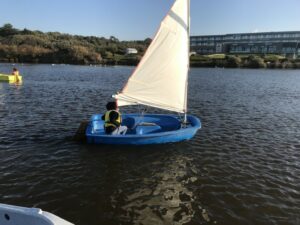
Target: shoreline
{"x": 26, "y": 46}
{"x": 119, "y": 65}
{"x": 251, "y": 61}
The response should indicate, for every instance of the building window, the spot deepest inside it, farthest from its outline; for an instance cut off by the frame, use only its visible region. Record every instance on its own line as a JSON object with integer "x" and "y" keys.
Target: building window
{"x": 288, "y": 50}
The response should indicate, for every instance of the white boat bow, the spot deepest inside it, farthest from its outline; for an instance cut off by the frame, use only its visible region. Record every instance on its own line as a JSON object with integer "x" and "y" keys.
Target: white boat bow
{"x": 16, "y": 215}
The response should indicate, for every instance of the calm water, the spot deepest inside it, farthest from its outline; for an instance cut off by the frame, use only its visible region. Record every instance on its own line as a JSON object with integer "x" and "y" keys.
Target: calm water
{"x": 243, "y": 167}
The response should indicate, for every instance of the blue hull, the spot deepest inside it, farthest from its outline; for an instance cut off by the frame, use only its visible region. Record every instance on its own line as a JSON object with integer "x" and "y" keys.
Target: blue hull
{"x": 144, "y": 130}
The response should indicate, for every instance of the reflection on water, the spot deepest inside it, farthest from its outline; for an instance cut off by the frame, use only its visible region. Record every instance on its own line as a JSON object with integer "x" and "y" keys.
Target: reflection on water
{"x": 165, "y": 201}
{"x": 241, "y": 168}
{"x": 2, "y": 96}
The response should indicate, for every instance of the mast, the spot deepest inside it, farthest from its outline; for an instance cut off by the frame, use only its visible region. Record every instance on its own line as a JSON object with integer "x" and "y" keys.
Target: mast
{"x": 189, "y": 46}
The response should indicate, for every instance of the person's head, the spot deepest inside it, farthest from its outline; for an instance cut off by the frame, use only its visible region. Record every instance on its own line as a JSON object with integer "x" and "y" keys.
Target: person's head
{"x": 112, "y": 106}
{"x": 15, "y": 69}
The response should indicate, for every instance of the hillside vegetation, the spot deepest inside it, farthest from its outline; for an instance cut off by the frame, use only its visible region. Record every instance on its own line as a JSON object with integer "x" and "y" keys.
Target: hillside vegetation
{"x": 53, "y": 47}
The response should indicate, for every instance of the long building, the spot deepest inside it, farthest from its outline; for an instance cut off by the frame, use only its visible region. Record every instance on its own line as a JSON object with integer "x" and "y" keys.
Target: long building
{"x": 284, "y": 43}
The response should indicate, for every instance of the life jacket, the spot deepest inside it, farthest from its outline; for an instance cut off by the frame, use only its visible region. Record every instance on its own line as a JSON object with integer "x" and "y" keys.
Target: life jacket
{"x": 108, "y": 123}
{"x": 16, "y": 73}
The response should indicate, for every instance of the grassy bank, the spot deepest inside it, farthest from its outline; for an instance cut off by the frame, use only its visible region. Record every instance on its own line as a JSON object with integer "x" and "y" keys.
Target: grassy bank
{"x": 245, "y": 61}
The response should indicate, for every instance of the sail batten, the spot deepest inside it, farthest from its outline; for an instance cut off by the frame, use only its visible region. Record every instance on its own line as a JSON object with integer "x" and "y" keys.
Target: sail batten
{"x": 160, "y": 79}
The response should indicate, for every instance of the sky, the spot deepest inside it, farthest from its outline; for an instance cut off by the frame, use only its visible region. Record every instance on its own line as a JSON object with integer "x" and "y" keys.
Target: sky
{"x": 139, "y": 19}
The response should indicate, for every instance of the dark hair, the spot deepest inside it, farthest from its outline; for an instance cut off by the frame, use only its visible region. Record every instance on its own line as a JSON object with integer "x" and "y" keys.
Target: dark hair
{"x": 111, "y": 106}
{"x": 15, "y": 69}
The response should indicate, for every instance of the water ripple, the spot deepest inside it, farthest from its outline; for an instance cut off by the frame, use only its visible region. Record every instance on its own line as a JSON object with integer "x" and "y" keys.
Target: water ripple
{"x": 241, "y": 168}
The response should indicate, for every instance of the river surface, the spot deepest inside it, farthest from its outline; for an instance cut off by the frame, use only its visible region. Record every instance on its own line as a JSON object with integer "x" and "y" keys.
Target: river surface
{"x": 242, "y": 167}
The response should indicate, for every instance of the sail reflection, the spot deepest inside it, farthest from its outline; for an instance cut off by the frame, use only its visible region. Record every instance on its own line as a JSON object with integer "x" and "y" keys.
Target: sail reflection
{"x": 162, "y": 199}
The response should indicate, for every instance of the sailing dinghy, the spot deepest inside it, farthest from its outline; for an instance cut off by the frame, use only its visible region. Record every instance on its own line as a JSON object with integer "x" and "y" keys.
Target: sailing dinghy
{"x": 10, "y": 78}
{"x": 161, "y": 81}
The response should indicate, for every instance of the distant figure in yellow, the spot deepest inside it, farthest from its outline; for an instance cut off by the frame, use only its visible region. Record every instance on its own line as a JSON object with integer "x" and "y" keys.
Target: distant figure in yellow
{"x": 16, "y": 73}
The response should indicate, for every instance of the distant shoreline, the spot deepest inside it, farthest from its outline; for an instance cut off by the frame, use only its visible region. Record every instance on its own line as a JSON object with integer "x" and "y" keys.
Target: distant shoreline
{"x": 26, "y": 46}
{"x": 245, "y": 61}
{"x": 200, "y": 65}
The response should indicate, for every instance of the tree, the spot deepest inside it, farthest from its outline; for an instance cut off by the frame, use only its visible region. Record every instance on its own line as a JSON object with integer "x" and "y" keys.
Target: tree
{"x": 8, "y": 30}
{"x": 113, "y": 39}
{"x": 26, "y": 31}
{"x": 148, "y": 41}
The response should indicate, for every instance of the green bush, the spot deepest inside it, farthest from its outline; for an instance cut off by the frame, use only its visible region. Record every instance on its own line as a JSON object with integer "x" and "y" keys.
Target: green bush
{"x": 255, "y": 62}
{"x": 274, "y": 65}
{"x": 232, "y": 61}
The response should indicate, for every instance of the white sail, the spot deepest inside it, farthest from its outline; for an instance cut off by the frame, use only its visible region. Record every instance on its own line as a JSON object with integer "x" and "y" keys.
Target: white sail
{"x": 160, "y": 79}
